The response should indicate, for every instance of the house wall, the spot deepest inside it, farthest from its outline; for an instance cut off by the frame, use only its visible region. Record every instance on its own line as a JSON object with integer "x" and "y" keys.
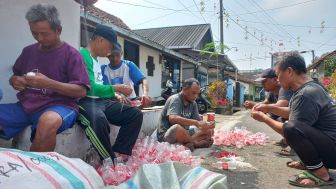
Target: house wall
{"x": 15, "y": 34}
{"x": 202, "y": 75}
{"x": 188, "y": 71}
{"x": 155, "y": 80}
{"x": 247, "y": 87}
{"x": 242, "y": 92}
{"x": 230, "y": 88}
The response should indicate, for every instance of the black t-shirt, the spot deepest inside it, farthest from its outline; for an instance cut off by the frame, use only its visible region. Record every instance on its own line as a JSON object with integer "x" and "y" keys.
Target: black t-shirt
{"x": 283, "y": 95}
{"x": 273, "y": 98}
{"x": 313, "y": 105}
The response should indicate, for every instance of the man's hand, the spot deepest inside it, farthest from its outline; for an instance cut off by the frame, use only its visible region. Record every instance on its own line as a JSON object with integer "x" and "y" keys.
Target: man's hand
{"x": 204, "y": 125}
{"x": 249, "y": 104}
{"x": 146, "y": 101}
{"x": 18, "y": 82}
{"x": 122, "y": 99}
{"x": 123, "y": 89}
{"x": 39, "y": 81}
{"x": 262, "y": 107}
{"x": 259, "y": 116}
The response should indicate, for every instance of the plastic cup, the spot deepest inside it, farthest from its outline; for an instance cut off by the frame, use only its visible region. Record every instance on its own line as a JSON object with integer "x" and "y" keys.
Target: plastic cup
{"x": 211, "y": 117}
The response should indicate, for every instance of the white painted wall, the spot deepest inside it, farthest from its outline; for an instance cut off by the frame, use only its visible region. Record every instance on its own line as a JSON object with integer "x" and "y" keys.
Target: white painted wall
{"x": 247, "y": 87}
{"x": 15, "y": 34}
{"x": 154, "y": 81}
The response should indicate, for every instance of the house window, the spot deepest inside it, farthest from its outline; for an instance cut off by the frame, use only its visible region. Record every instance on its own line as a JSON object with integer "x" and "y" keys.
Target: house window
{"x": 150, "y": 66}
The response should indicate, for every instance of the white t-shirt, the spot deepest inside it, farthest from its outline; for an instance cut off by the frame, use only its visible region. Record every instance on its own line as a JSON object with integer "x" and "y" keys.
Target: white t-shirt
{"x": 125, "y": 73}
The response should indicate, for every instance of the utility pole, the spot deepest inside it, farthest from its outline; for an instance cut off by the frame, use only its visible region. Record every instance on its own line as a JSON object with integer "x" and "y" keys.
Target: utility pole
{"x": 221, "y": 26}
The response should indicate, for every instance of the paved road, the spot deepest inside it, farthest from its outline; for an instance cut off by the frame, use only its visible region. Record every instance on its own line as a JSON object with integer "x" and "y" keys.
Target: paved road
{"x": 271, "y": 172}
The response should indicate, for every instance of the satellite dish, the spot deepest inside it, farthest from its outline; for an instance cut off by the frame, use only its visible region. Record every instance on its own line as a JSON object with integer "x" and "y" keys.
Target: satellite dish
{"x": 86, "y": 2}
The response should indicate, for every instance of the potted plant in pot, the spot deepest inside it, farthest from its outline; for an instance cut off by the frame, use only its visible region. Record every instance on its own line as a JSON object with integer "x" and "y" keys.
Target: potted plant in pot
{"x": 217, "y": 94}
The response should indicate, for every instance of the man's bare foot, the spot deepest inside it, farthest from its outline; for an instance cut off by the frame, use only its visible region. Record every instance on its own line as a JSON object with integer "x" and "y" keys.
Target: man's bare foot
{"x": 296, "y": 165}
{"x": 202, "y": 144}
{"x": 190, "y": 146}
{"x": 317, "y": 177}
{"x": 124, "y": 157}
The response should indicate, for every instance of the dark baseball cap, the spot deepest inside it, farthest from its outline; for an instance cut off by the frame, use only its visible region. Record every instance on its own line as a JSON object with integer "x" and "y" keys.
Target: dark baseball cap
{"x": 106, "y": 32}
{"x": 116, "y": 48}
{"x": 268, "y": 73}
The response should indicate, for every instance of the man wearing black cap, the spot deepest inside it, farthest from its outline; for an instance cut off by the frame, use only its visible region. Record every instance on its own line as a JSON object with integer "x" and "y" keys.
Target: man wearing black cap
{"x": 98, "y": 108}
{"x": 125, "y": 72}
{"x": 275, "y": 104}
{"x": 277, "y": 96}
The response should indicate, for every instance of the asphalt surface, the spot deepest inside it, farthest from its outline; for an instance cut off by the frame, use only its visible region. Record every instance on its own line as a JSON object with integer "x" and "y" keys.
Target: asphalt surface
{"x": 271, "y": 173}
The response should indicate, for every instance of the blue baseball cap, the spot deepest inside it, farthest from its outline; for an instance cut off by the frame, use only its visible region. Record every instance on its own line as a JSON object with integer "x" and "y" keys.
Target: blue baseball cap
{"x": 107, "y": 33}
{"x": 116, "y": 48}
{"x": 268, "y": 73}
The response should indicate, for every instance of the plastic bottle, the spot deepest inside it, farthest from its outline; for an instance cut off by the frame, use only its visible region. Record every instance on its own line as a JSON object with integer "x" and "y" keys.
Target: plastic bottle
{"x": 230, "y": 165}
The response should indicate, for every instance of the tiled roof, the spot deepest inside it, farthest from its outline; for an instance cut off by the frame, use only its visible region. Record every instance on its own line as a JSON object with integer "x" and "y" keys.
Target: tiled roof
{"x": 241, "y": 78}
{"x": 107, "y": 17}
{"x": 321, "y": 59}
{"x": 176, "y": 36}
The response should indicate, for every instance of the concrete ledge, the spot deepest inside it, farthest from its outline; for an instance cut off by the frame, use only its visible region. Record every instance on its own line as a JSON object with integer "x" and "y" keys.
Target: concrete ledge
{"x": 74, "y": 143}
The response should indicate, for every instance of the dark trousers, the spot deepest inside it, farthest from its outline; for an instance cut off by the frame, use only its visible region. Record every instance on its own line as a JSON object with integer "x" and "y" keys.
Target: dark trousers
{"x": 99, "y": 113}
{"x": 314, "y": 148}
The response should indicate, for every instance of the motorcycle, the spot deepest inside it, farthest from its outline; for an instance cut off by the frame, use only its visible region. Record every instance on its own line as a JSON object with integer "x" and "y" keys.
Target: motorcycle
{"x": 202, "y": 101}
{"x": 168, "y": 91}
{"x": 165, "y": 94}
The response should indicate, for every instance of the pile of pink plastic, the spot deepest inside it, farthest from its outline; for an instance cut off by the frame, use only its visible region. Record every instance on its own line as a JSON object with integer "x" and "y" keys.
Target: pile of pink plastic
{"x": 239, "y": 137}
{"x": 146, "y": 151}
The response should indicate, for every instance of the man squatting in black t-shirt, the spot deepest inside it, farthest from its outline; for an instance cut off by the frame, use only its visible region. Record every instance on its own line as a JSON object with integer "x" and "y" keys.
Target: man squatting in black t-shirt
{"x": 311, "y": 128}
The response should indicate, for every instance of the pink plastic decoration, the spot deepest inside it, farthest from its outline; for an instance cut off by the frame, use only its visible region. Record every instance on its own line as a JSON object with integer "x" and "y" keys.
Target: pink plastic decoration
{"x": 146, "y": 150}
{"x": 239, "y": 137}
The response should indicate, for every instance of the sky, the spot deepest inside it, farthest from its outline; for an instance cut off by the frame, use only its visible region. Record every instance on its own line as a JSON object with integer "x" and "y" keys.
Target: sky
{"x": 252, "y": 28}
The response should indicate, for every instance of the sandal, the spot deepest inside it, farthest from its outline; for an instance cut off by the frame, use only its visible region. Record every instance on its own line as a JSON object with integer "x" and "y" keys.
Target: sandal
{"x": 295, "y": 180}
{"x": 301, "y": 166}
{"x": 287, "y": 152}
{"x": 281, "y": 143}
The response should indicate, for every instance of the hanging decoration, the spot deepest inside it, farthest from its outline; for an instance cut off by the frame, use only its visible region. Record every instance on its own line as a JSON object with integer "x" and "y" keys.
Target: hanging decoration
{"x": 298, "y": 41}
{"x": 202, "y": 5}
{"x": 322, "y": 26}
{"x": 226, "y": 19}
